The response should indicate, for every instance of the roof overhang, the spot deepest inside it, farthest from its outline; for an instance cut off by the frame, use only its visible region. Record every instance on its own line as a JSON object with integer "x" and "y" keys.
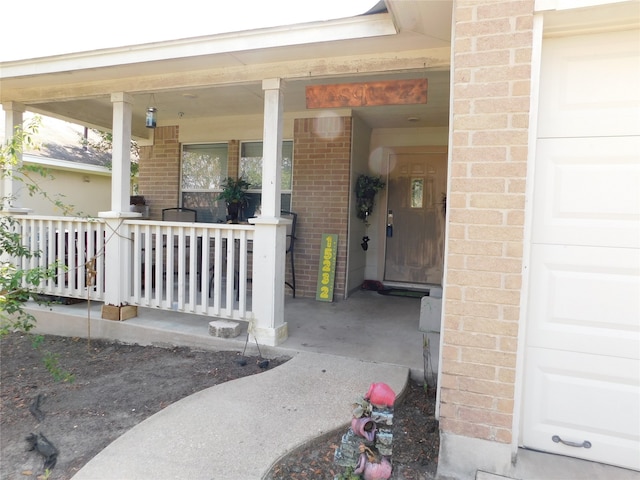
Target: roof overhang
{"x": 223, "y": 73}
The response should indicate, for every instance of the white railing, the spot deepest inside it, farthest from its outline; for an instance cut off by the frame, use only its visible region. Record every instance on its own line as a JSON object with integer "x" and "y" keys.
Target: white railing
{"x": 75, "y": 246}
{"x": 191, "y": 267}
{"x": 188, "y": 267}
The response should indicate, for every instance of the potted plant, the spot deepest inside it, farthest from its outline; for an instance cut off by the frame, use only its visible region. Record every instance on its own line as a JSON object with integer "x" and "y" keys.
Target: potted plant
{"x": 234, "y": 193}
{"x": 366, "y": 189}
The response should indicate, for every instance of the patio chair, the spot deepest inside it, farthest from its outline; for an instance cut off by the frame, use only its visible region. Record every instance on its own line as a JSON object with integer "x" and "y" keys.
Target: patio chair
{"x": 179, "y": 214}
{"x": 291, "y": 242}
{"x": 182, "y": 214}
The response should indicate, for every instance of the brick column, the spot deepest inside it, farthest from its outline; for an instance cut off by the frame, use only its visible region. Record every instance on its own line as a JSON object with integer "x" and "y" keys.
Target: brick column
{"x": 491, "y": 75}
{"x": 322, "y": 150}
{"x": 159, "y": 177}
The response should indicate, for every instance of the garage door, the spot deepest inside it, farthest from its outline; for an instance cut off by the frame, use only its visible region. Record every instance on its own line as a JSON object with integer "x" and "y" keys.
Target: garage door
{"x": 582, "y": 367}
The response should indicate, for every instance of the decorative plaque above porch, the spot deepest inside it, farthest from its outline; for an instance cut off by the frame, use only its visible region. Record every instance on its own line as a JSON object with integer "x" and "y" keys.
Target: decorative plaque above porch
{"x": 367, "y": 94}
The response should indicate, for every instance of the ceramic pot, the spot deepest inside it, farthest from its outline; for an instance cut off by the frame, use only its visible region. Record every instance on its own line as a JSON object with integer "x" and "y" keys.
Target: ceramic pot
{"x": 380, "y": 395}
{"x": 364, "y": 427}
{"x": 373, "y": 471}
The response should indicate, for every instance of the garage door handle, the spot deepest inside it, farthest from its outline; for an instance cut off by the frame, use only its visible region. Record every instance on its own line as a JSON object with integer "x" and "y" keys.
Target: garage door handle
{"x": 585, "y": 444}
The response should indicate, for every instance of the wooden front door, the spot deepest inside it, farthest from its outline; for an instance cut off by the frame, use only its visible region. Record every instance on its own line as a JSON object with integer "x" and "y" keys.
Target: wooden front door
{"x": 416, "y": 217}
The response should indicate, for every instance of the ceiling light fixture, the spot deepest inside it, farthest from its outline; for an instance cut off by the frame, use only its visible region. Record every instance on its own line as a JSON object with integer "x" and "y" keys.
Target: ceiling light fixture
{"x": 152, "y": 113}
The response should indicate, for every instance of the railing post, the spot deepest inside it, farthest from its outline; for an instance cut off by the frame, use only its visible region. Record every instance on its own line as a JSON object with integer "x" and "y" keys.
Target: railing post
{"x": 269, "y": 245}
{"x": 117, "y": 251}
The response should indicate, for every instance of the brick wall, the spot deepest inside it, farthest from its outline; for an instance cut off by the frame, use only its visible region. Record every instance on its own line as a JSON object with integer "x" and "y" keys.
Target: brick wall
{"x": 159, "y": 177}
{"x": 322, "y": 149}
{"x": 491, "y": 75}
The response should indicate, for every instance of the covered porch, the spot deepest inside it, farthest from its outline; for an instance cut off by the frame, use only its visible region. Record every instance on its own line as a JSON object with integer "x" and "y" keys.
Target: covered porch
{"x": 239, "y": 91}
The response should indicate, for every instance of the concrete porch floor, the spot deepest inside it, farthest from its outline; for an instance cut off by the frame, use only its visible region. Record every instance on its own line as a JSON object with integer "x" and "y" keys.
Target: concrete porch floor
{"x": 367, "y": 326}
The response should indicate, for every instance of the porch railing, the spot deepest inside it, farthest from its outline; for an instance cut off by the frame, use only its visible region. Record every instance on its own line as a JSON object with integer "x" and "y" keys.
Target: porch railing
{"x": 195, "y": 268}
{"x": 76, "y": 246}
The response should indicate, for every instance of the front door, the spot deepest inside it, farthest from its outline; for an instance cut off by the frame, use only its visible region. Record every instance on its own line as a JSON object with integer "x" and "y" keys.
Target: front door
{"x": 416, "y": 217}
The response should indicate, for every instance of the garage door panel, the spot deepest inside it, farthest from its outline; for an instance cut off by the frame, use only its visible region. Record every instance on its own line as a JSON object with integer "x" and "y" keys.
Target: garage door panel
{"x": 591, "y": 85}
{"x": 589, "y": 191}
{"x": 572, "y": 388}
{"x": 585, "y": 299}
{"x": 582, "y": 359}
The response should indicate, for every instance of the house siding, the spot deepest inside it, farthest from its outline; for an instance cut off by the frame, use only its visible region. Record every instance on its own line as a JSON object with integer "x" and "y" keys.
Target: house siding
{"x": 491, "y": 75}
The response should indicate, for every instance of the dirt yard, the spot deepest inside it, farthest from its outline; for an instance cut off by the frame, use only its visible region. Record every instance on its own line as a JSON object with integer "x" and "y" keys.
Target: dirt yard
{"x": 91, "y": 394}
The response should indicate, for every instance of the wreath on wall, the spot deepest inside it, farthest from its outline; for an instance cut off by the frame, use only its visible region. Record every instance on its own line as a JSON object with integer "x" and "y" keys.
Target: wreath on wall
{"x": 366, "y": 189}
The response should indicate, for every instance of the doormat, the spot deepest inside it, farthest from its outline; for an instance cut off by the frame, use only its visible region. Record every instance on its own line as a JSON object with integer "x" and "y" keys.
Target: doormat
{"x": 403, "y": 292}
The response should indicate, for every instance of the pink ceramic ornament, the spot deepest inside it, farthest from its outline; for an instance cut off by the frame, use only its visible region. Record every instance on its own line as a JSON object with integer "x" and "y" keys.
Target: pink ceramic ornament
{"x": 373, "y": 471}
{"x": 364, "y": 427}
{"x": 380, "y": 395}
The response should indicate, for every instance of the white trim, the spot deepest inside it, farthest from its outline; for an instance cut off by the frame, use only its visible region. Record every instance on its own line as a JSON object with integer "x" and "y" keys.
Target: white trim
{"x": 542, "y": 5}
{"x": 66, "y": 165}
{"x": 448, "y": 211}
{"x": 319, "y": 32}
{"x": 536, "y": 59}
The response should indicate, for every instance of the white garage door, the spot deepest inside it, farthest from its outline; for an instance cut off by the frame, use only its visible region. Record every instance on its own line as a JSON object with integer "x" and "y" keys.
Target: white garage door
{"x": 582, "y": 367}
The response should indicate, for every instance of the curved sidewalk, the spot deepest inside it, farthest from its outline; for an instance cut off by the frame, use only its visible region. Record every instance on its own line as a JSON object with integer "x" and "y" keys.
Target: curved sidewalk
{"x": 239, "y": 429}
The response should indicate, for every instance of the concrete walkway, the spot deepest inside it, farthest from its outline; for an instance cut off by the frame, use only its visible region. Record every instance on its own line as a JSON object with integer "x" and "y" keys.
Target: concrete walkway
{"x": 239, "y": 429}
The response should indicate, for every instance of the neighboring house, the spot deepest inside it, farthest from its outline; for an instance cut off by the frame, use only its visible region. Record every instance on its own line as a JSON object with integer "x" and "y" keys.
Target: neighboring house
{"x": 76, "y": 176}
{"x": 539, "y": 253}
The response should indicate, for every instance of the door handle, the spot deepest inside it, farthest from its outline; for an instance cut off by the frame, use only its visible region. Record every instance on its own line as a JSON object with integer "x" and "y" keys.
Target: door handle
{"x": 390, "y": 223}
{"x": 585, "y": 444}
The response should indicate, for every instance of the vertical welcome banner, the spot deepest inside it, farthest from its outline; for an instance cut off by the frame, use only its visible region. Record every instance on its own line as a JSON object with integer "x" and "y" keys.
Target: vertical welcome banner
{"x": 327, "y": 268}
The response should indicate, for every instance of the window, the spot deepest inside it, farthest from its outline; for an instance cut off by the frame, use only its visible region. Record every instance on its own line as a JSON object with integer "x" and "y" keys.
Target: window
{"x": 251, "y": 171}
{"x": 251, "y": 164}
{"x": 204, "y": 168}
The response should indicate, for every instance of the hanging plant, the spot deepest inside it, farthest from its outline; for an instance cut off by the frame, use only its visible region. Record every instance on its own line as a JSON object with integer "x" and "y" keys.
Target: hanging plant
{"x": 366, "y": 189}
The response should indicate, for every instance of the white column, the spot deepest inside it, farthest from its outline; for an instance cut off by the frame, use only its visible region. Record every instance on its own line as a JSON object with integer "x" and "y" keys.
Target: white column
{"x": 272, "y": 147}
{"x": 269, "y": 245}
{"x": 118, "y": 247}
{"x": 121, "y": 151}
{"x": 10, "y": 188}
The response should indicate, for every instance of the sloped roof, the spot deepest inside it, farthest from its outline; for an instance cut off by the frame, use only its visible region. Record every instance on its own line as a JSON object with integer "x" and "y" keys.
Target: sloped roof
{"x": 60, "y": 140}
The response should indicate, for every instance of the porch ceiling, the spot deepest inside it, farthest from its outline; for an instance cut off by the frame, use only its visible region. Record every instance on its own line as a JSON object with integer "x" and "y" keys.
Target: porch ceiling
{"x": 221, "y": 76}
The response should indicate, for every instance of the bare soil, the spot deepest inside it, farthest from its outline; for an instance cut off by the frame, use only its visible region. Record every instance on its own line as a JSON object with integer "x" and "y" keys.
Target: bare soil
{"x": 115, "y": 386}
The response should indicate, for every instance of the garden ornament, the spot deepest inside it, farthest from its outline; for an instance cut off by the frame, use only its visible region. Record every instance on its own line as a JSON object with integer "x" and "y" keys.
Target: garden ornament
{"x": 364, "y": 427}
{"x": 370, "y": 469}
{"x": 381, "y": 395}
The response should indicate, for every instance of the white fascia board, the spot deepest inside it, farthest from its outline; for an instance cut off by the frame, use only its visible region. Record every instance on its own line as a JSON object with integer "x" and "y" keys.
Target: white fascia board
{"x": 546, "y": 5}
{"x": 303, "y": 34}
{"x": 66, "y": 165}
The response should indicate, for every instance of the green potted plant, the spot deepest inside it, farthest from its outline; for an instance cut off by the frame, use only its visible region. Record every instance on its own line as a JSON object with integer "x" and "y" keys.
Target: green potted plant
{"x": 234, "y": 193}
{"x": 366, "y": 189}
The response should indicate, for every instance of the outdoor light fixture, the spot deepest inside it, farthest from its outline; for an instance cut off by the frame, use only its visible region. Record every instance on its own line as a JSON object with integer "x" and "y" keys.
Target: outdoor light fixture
{"x": 152, "y": 114}
{"x": 151, "y": 117}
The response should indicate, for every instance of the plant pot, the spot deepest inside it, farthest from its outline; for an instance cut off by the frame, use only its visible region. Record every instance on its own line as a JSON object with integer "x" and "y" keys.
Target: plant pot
{"x": 233, "y": 212}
